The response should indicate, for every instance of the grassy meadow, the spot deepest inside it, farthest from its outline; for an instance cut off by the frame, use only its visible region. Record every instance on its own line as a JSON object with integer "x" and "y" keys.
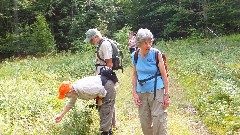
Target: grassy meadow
{"x": 204, "y": 81}
{"x": 208, "y": 71}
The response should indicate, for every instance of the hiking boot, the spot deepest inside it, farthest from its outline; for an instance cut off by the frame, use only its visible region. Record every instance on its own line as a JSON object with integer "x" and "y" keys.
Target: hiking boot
{"x": 107, "y": 133}
{"x": 110, "y": 132}
{"x": 104, "y": 133}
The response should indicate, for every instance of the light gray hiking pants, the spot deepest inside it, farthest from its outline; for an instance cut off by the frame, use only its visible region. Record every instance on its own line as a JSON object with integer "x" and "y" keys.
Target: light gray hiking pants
{"x": 152, "y": 116}
{"x": 107, "y": 108}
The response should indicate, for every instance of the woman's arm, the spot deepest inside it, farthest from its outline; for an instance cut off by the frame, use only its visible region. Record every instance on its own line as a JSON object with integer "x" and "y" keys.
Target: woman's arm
{"x": 134, "y": 87}
{"x": 165, "y": 81}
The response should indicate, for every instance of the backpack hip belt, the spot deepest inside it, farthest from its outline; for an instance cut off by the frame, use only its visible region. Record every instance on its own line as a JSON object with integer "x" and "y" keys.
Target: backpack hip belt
{"x": 100, "y": 65}
{"x": 145, "y": 80}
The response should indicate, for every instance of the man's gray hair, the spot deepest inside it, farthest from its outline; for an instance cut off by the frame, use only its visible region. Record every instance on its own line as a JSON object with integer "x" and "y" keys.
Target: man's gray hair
{"x": 143, "y": 35}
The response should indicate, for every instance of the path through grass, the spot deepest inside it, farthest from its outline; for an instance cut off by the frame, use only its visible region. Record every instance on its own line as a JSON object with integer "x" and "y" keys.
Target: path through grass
{"x": 182, "y": 118}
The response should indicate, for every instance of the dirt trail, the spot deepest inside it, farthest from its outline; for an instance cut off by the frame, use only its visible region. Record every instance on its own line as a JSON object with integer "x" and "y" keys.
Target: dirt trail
{"x": 182, "y": 116}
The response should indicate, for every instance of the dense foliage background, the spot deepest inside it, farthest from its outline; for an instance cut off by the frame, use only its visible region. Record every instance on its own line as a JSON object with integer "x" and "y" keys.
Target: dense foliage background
{"x": 199, "y": 37}
{"x": 44, "y": 26}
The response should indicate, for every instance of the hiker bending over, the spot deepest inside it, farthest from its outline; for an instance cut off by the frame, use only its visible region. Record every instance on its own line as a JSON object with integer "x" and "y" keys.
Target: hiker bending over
{"x": 104, "y": 59}
{"x": 150, "y": 86}
{"x": 87, "y": 88}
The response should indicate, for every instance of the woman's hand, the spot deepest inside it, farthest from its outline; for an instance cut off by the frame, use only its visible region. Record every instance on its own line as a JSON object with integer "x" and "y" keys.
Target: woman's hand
{"x": 166, "y": 101}
{"x": 136, "y": 99}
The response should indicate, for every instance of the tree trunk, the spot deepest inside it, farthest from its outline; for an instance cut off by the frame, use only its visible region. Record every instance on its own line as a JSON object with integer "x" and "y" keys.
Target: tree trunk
{"x": 15, "y": 12}
{"x": 205, "y": 16}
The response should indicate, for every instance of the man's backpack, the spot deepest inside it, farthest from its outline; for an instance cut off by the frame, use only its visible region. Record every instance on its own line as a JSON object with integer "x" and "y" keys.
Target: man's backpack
{"x": 117, "y": 54}
{"x": 156, "y": 74}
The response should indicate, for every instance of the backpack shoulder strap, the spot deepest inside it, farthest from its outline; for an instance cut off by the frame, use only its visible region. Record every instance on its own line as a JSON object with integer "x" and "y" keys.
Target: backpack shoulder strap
{"x": 136, "y": 55}
{"x": 100, "y": 43}
{"x": 156, "y": 56}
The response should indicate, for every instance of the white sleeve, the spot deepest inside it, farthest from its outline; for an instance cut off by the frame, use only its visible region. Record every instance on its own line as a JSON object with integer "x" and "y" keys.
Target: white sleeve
{"x": 107, "y": 50}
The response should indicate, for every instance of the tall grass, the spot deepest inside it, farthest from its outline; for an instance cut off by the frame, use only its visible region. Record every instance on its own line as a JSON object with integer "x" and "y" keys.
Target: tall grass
{"x": 209, "y": 71}
{"x": 29, "y": 92}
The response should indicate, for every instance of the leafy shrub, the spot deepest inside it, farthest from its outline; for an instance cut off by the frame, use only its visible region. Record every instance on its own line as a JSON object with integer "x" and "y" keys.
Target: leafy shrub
{"x": 122, "y": 38}
{"x": 80, "y": 121}
{"x": 30, "y": 40}
{"x": 79, "y": 46}
{"x": 42, "y": 40}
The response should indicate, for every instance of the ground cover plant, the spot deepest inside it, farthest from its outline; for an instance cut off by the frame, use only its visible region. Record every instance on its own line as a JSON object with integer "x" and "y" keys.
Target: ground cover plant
{"x": 29, "y": 92}
{"x": 206, "y": 70}
{"x": 209, "y": 71}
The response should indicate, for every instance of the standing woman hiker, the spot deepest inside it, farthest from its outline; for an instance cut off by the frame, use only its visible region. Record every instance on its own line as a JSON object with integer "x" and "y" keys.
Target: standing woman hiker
{"x": 131, "y": 42}
{"x": 146, "y": 78}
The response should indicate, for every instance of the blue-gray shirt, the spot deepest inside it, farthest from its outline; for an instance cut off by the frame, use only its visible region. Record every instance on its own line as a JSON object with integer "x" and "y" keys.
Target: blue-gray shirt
{"x": 146, "y": 67}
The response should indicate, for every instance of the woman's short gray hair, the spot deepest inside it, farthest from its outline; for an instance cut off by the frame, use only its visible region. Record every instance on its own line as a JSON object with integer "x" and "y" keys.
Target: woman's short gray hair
{"x": 143, "y": 35}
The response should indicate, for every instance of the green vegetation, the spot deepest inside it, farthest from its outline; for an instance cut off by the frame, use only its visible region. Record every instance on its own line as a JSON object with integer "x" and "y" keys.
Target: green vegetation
{"x": 35, "y": 39}
{"x": 67, "y": 21}
{"x": 206, "y": 71}
{"x": 29, "y": 91}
